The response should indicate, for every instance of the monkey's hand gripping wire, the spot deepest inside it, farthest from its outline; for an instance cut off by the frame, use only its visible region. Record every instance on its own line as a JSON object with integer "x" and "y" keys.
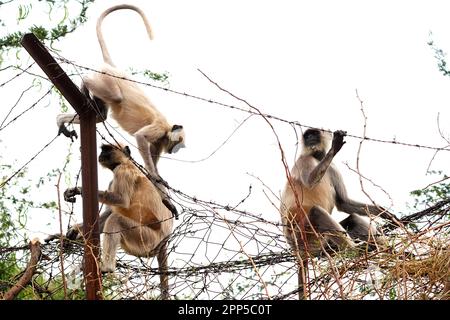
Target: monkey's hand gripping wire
{"x": 69, "y": 194}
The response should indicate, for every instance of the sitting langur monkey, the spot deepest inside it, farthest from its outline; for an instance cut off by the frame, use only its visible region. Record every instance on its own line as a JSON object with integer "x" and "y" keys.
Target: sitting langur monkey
{"x": 137, "y": 220}
{"x": 129, "y": 105}
{"x": 314, "y": 188}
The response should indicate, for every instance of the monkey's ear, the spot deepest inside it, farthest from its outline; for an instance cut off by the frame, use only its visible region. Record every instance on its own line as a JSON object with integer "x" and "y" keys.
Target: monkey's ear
{"x": 176, "y": 128}
{"x": 127, "y": 151}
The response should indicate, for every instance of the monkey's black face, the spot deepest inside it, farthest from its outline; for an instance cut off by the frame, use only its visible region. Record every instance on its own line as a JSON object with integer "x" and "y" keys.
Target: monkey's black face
{"x": 312, "y": 137}
{"x": 175, "y": 139}
{"x": 174, "y": 147}
{"x": 107, "y": 157}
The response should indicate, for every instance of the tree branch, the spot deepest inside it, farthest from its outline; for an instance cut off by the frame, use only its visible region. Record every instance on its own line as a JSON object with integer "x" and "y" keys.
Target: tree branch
{"x": 35, "y": 248}
{"x": 417, "y": 215}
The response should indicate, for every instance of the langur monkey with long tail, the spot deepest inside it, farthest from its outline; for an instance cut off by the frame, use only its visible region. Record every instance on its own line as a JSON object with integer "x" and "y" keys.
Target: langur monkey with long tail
{"x": 136, "y": 219}
{"x": 129, "y": 105}
{"x": 314, "y": 188}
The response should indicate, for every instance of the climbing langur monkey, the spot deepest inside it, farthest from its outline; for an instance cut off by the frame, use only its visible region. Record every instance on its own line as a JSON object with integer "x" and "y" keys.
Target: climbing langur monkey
{"x": 138, "y": 221}
{"x": 129, "y": 105}
{"x": 313, "y": 189}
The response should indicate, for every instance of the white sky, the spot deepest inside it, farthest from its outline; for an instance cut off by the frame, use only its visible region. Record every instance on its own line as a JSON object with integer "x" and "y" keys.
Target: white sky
{"x": 299, "y": 60}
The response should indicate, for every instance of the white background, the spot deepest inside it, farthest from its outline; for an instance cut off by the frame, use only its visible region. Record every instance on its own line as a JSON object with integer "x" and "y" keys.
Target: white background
{"x": 299, "y": 60}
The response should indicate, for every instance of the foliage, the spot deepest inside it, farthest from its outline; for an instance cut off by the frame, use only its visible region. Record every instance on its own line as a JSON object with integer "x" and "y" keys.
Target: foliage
{"x": 9, "y": 224}
{"x": 15, "y": 202}
{"x": 440, "y": 56}
{"x": 45, "y": 33}
{"x": 159, "y": 77}
{"x": 13, "y": 199}
{"x": 433, "y": 193}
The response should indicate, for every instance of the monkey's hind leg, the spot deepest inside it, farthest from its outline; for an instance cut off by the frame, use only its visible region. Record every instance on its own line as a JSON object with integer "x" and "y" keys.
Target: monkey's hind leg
{"x": 104, "y": 87}
{"x": 144, "y": 138}
{"x": 100, "y": 109}
{"x": 329, "y": 229}
{"x": 359, "y": 228}
{"x": 163, "y": 268}
{"x": 111, "y": 242}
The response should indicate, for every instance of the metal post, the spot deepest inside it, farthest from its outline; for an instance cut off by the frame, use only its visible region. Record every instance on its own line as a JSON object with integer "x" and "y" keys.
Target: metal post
{"x": 91, "y": 232}
{"x": 88, "y": 159}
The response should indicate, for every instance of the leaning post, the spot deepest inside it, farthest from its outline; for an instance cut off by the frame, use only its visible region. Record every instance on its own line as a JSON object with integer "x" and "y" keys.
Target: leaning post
{"x": 82, "y": 106}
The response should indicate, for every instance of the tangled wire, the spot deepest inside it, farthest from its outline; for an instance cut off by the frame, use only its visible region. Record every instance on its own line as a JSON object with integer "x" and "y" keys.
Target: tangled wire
{"x": 221, "y": 253}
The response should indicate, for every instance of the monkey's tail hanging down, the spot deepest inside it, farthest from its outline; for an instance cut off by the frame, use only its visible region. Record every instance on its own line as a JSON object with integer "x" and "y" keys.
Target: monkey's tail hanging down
{"x": 101, "y": 41}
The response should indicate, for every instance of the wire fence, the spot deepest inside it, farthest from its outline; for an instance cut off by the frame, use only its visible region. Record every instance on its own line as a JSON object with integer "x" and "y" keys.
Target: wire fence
{"x": 218, "y": 254}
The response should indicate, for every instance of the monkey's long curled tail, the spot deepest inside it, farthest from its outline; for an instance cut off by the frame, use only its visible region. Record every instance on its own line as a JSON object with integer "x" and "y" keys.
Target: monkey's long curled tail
{"x": 101, "y": 41}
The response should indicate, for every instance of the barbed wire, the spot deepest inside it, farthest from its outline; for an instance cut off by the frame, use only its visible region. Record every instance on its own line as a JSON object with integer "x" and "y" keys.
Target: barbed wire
{"x": 2, "y": 126}
{"x": 23, "y": 71}
{"x": 230, "y": 106}
{"x": 251, "y": 112}
{"x": 33, "y": 157}
{"x": 15, "y": 105}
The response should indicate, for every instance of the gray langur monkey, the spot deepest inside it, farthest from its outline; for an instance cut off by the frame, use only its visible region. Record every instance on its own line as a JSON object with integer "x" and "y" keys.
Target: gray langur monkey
{"x": 131, "y": 108}
{"x": 136, "y": 219}
{"x": 129, "y": 105}
{"x": 314, "y": 188}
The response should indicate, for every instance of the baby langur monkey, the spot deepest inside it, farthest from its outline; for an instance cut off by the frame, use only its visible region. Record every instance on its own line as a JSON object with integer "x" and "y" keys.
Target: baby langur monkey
{"x": 315, "y": 187}
{"x": 137, "y": 220}
{"x": 129, "y": 105}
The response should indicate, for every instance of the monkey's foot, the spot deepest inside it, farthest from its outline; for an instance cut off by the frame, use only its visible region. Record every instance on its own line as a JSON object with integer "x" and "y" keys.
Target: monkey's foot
{"x": 169, "y": 205}
{"x": 68, "y": 133}
{"x": 74, "y": 233}
{"x": 105, "y": 268}
{"x": 53, "y": 237}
